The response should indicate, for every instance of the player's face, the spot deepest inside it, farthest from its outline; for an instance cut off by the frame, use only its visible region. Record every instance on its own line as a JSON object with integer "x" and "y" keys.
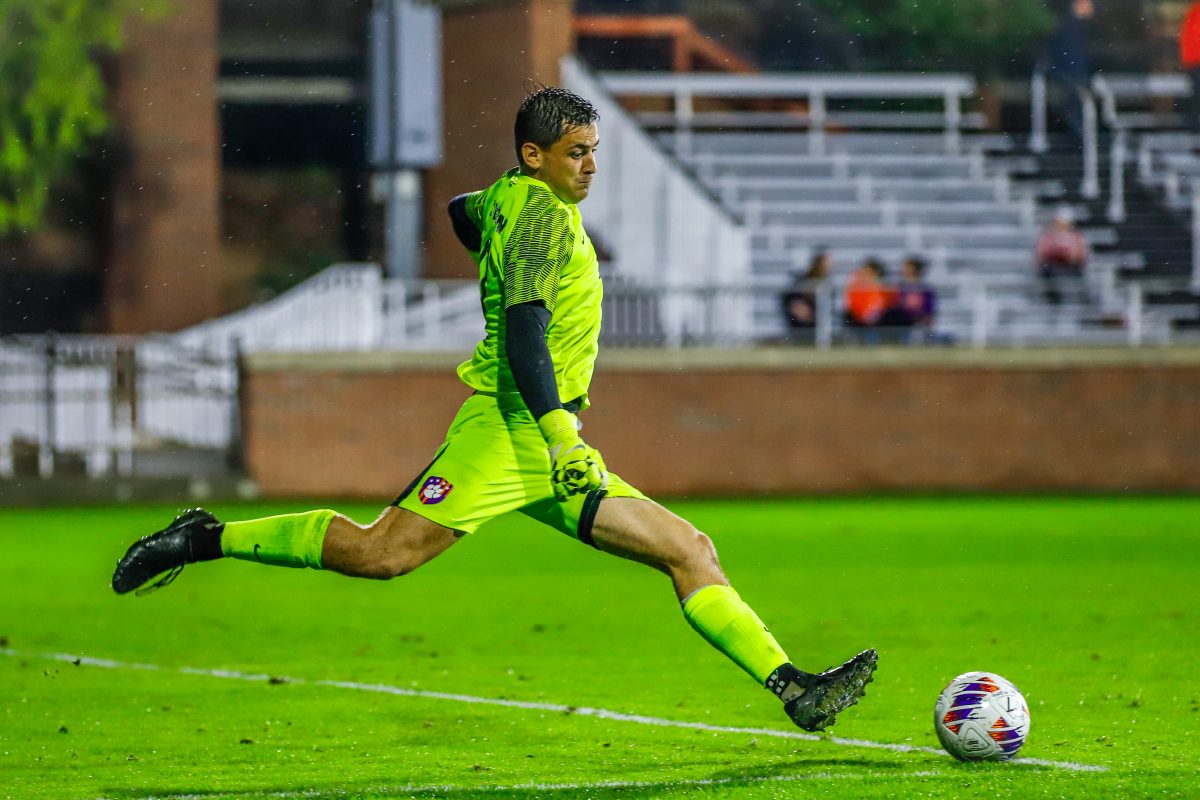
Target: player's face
{"x": 568, "y": 165}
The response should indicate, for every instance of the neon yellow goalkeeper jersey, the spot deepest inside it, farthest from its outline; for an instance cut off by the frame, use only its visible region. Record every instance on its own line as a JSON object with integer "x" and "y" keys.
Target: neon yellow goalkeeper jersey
{"x": 534, "y": 248}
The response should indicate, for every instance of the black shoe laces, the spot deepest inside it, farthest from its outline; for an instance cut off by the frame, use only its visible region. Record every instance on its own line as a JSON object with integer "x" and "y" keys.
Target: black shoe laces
{"x": 165, "y": 579}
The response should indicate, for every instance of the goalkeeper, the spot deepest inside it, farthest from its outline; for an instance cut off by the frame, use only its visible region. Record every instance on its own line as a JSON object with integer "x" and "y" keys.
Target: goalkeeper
{"x": 515, "y": 444}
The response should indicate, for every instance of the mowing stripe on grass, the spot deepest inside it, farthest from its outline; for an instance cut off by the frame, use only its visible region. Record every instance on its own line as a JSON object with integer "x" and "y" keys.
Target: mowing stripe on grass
{"x": 408, "y": 791}
{"x": 600, "y": 713}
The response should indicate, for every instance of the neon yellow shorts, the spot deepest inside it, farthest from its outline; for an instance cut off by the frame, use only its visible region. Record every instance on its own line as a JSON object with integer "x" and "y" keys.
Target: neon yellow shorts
{"x": 494, "y": 461}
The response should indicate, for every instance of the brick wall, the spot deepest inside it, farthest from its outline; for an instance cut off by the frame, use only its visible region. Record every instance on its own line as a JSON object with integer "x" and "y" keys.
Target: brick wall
{"x": 164, "y": 269}
{"x": 766, "y": 422}
{"x": 489, "y": 53}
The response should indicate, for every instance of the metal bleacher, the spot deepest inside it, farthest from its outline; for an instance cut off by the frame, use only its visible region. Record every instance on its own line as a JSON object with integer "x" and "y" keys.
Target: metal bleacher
{"x": 1141, "y": 123}
{"x": 860, "y": 174}
{"x": 889, "y": 196}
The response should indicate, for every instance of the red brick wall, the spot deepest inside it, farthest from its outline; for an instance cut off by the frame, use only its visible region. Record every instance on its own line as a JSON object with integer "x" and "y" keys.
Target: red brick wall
{"x": 164, "y": 268}
{"x": 778, "y": 422}
{"x": 489, "y": 53}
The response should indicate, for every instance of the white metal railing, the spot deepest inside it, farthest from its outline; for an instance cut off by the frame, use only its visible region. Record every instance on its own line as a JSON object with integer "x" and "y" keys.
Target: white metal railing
{"x": 103, "y": 398}
{"x": 340, "y": 308}
{"x": 1180, "y": 181}
{"x": 1118, "y": 157}
{"x": 1039, "y": 142}
{"x": 1164, "y": 157}
{"x": 350, "y": 307}
{"x": 1090, "y": 146}
{"x": 1196, "y": 236}
{"x": 1113, "y": 88}
{"x": 816, "y": 90}
{"x": 1090, "y": 187}
{"x": 972, "y": 311}
{"x": 97, "y": 398}
{"x": 655, "y": 219}
{"x": 1178, "y": 176}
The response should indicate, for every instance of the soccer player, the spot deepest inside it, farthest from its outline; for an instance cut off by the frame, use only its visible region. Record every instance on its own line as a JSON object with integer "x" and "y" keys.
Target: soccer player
{"x": 515, "y": 444}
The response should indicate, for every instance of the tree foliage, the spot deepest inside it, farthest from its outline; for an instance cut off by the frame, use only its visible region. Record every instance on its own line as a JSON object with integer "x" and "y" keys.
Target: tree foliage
{"x": 52, "y": 94}
{"x": 982, "y": 36}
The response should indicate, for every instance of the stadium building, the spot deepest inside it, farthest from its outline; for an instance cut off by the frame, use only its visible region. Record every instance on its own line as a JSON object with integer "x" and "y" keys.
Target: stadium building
{"x": 893, "y": 305}
{"x": 272, "y": 188}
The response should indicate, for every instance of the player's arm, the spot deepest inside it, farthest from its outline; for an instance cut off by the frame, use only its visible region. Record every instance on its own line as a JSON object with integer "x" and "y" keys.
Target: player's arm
{"x": 529, "y": 357}
{"x": 465, "y": 226}
{"x": 536, "y": 249}
{"x": 576, "y": 468}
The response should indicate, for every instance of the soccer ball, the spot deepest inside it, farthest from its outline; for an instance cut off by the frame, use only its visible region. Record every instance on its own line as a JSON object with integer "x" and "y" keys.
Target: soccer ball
{"x": 981, "y": 717}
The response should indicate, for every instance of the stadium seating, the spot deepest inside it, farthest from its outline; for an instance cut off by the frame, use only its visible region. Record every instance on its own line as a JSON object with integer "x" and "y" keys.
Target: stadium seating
{"x": 701, "y": 229}
{"x": 971, "y": 203}
{"x": 1141, "y": 126}
{"x": 890, "y": 195}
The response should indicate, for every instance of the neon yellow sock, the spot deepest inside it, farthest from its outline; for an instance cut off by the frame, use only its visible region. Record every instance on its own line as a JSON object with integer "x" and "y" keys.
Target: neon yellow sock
{"x": 289, "y": 540}
{"x": 721, "y": 617}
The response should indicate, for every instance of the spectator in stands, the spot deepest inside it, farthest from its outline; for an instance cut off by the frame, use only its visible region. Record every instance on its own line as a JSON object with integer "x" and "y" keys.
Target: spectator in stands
{"x": 1062, "y": 256}
{"x": 1189, "y": 59}
{"x": 1068, "y": 64}
{"x": 916, "y": 301}
{"x": 800, "y": 301}
{"x": 871, "y": 304}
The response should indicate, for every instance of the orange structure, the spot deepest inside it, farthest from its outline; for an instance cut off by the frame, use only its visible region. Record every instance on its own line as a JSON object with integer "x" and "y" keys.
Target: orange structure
{"x": 691, "y": 50}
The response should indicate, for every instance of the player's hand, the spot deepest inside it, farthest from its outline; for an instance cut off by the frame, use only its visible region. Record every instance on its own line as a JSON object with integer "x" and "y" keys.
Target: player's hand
{"x": 575, "y": 468}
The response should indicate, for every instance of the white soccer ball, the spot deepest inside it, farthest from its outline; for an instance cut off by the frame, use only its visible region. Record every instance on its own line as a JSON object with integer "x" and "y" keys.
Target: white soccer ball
{"x": 981, "y": 717}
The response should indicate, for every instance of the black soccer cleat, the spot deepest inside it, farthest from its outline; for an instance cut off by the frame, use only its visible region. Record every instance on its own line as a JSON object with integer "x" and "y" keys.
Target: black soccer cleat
{"x": 154, "y": 561}
{"x": 833, "y": 691}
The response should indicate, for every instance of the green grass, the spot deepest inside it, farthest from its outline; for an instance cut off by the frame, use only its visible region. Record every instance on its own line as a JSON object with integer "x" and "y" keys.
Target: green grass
{"x": 1089, "y": 605}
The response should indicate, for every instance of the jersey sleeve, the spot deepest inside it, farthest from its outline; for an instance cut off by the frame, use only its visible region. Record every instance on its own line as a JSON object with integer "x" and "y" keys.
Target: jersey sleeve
{"x": 539, "y": 245}
{"x": 474, "y": 207}
{"x": 465, "y": 227}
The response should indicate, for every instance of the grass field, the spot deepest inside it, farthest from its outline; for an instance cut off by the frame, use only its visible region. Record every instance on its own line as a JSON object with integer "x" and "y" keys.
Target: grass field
{"x": 1089, "y": 605}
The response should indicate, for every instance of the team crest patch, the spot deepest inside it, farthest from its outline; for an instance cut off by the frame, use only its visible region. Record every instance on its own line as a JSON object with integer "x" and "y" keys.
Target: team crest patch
{"x": 435, "y": 490}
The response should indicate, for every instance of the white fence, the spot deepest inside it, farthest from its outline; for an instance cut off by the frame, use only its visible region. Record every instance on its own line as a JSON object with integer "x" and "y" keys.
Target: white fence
{"x": 975, "y": 311}
{"x": 100, "y": 398}
{"x": 350, "y": 307}
{"x": 816, "y": 91}
{"x": 355, "y": 309}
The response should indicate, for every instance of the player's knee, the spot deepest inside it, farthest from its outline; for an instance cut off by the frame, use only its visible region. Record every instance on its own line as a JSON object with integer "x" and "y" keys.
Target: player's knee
{"x": 394, "y": 565}
{"x": 387, "y": 562}
{"x": 692, "y": 546}
{"x": 386, "y": 553}
{"x": 701, "y": 547}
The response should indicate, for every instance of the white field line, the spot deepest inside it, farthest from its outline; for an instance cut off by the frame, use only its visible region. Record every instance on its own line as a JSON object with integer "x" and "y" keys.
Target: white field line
{"x": 435, "y": 789}
{"x": 600, "y": 713}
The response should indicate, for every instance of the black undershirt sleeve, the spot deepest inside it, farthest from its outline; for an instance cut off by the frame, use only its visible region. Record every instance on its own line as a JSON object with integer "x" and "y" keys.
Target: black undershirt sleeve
{"x": 464, "y": 228}
{"x": 529, "y": 358}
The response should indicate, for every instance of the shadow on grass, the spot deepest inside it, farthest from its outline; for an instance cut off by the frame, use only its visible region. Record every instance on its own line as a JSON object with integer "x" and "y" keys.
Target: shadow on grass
{"x": 791, "y": 770}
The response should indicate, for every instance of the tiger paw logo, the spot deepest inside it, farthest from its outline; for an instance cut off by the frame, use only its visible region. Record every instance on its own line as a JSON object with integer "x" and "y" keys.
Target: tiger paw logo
{"x": 435, "y": 490}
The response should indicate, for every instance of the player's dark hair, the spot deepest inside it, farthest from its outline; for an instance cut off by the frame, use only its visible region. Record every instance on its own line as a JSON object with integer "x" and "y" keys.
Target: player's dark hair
{"x": 876, "y": 266}
{"x": 547, "y": 114}
{"x": 917, "y": 263}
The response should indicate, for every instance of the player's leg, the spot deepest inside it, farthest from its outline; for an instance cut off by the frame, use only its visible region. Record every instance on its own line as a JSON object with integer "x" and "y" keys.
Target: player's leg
{"x": 644, "y": 531}
{"x": 423, "y": 522}
{"x": 396, "y": 543}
